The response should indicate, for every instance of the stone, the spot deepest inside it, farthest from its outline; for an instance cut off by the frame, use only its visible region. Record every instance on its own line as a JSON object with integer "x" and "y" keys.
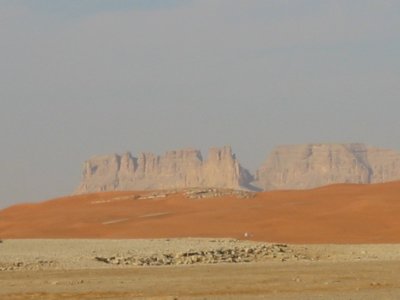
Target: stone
{"x": 244, "y": 254}
{"x": 176, "y": 169}
{"x": 314, "y": 165}
{"x": 287, "y": 167}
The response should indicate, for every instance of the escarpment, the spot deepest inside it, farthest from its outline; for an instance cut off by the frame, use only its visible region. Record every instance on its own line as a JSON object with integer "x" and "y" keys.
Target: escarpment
{"x": 287, "y": 167}
{"x": 313, "y": 165}
{"x": 175, "y": 169}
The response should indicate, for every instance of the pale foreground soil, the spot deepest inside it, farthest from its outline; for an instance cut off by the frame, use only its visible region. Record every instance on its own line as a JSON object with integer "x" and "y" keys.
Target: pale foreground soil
{"x": 67, "y": 269}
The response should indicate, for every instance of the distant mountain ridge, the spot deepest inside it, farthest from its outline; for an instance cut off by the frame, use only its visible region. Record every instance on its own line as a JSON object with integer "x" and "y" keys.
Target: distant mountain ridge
{"x": 313, "y": 165}
{"x": 175, "y": 169}
{"x": 287, "y": 167}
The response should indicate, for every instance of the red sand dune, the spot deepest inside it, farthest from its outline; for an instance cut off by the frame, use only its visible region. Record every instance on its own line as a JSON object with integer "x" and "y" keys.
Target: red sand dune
{"x": 332, "y": 214}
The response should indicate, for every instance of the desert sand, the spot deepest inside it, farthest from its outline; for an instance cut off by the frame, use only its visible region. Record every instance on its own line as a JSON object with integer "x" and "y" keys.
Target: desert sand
{"x": 335, "y": 242}
{"x": 332, "y": 214}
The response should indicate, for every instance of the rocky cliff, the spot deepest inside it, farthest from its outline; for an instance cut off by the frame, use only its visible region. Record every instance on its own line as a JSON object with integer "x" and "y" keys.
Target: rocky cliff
{"x": 176, "y": 169}
{"x": 287, "y": 167}
{"x": 313, "y": 165}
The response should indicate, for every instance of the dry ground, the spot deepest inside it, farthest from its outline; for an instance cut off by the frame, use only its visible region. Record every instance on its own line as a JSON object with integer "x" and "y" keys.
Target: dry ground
{"x": 66, "y": 269}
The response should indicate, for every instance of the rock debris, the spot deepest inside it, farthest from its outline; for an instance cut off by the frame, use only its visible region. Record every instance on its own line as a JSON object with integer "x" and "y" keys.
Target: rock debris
{"x": 235, "y": 254}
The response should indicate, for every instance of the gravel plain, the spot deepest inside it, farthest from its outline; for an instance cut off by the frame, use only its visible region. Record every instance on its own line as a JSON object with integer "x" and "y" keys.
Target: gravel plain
{"x": 71, "y": 269}
{"x": 68, "y": 254}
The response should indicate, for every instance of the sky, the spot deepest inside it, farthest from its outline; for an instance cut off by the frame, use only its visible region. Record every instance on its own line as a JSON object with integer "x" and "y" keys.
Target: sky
{"x": 80, "y": 78}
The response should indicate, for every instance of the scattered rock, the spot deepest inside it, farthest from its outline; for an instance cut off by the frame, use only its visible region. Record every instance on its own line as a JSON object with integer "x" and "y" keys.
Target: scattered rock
{"x": 236, "y": 254}
{"x": 19, "y": 265}
{"x": 198, "y": 193}
{"x": 375, "y": 284}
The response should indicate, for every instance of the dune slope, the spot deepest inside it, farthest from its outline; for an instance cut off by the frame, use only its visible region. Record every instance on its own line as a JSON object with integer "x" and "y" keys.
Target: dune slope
{"x": 332, "y": 214}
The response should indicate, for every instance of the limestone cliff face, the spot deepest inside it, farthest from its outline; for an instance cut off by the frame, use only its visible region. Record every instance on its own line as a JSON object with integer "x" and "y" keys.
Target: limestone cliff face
{"x": 384, "y": 164}
{"x": 176, "y": 169}
{"x": 287, "y": 167}
{"x": 313, "y": 165}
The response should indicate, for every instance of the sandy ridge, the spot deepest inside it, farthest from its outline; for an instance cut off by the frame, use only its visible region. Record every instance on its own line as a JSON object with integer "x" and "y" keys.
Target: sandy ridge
{"x": 350, "y": 214}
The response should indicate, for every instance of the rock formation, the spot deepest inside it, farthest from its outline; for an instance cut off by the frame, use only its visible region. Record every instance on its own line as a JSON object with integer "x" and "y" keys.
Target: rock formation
{"x": 287, "y": 167}
{"x": 313, "y": 165}
{"x": 176, "y": 169}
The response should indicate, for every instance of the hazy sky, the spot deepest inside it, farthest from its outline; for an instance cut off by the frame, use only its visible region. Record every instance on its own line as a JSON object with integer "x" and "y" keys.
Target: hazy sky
{"x": 83, "y": 77}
